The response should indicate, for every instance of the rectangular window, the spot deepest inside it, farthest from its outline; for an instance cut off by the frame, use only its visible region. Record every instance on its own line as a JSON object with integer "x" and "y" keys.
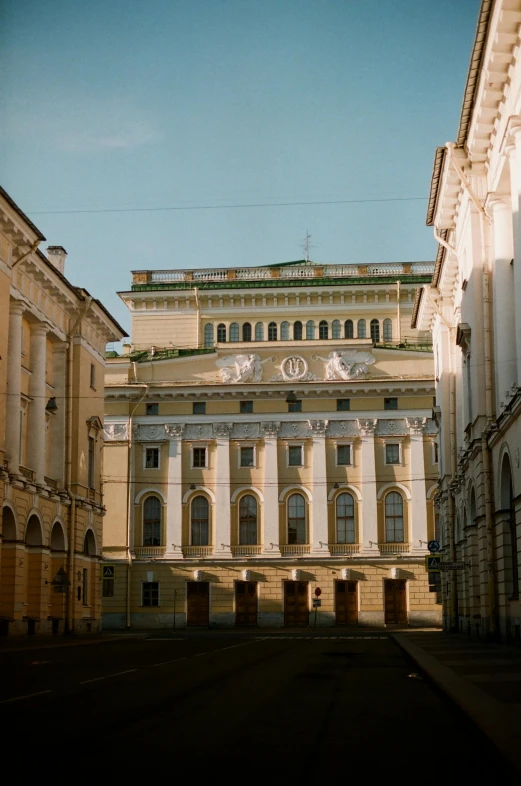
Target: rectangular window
{"x": 247, "y": 457}
{"x": 343, "y": 455}
{"x": 390, "y": 403}
{"x": 152, "y": 409}
{"x": 108, "y": 588}
{"x": 150, "y": 593}
{"x": 91, "y": 458}
{"x": 93, "y": 376}
{"x": 151, "y": 458}
{"x": 343, "y": 404}
{"x": 85, "y": 587}
{"x": 392, "y": 454}
{"x": 246, "y": 407}
{"x": 199, "y": 408}
{"x": 294, "y": 406}
{"x": 295, "y": 456}
{"x": 435, "y": 458}
{"x": 198, "y": 457}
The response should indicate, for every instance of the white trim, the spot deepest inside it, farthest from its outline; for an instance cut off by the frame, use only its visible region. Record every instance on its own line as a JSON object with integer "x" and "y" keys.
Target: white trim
{"x": 288, "y": 489}
{"x": 432, "y": 490}
{"x": 149, "y": 490}
{"x": 248, "y": 490}
{"x": 390, "y": 442}
{"x": 393, "y": 485}
{"x": 198, "y": 490}
{"x": 342, "y": 487}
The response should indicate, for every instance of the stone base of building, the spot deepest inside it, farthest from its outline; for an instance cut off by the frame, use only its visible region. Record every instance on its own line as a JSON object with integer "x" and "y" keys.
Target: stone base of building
{"x": 425, "y": 619}
{"x": 370, "y": 619}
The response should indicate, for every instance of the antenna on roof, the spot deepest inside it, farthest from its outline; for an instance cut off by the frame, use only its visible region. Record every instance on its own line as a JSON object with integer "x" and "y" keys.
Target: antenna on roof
{"x": 306, "y": 245}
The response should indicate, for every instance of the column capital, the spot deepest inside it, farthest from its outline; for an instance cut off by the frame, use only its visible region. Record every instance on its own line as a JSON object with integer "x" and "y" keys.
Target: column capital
{"x": 270, "y": 429}
{"x": 499, "y": 203}
{"x": 175, "y": 430}
{"x": 513, "y": 134}
{"x": 318, "y": 427}
{"x": 222, "y": 430}
{"x": 17, "y": 307}
{"x": 367, "y": 427}
{"x": 416, "y": 426}
{"x": 39, "y": 328}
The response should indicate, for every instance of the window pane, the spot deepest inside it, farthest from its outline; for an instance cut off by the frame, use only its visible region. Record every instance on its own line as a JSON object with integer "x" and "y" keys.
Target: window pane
{"x": 345, "y": 518}
{"x": 284, "y": 331}
{"x": 392, "y": 454}
{"x": 361, "y": 328}
{"x": 246, "y": 332}
{"x": 199, "y": 522}
{"x": 295, "y": 406}
{"x": 221, "y": 333}
{"x": 375, "y": 330}
{"x": 297, "y": 331}
{"x": 152, "y": 522}
{"x": 272, "y": 331}
{"x": 208, "y": 335}
{"x": 246, "y": 406}
{"x": 199, "y": 407}
{"x": 259, "y": 331}
{"x": 152, "y": 409}
{"x": 296, "y": 519}
{"x": 335, "y": 328}
{"x": 247, "y": 457}
{"x": 310, "y": 330}
{"x": 199, "y": 457}
{"x": 390, "y": 403}
{"x": 394, "y": 518}
{"x": 152, "y": 458}
{"x": 343, "y": 404}
{"x": 295, "y": 456}
{"x": 388, "y": 330}
{"x": 248, "y": 520}
{"x": 348, "y": 328}
{"x": 343, "y": 455}
{"x": 323, "y": 329}
{"x": 234, "y": 331}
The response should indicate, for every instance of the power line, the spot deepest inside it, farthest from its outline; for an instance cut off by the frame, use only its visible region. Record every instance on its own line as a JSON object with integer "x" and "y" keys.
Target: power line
{"x": 224, "y": 207}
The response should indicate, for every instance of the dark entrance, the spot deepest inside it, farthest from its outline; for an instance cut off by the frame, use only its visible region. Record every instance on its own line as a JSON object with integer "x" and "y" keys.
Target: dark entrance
{"x": 198, "y": 603}
{"x": 346, "y": 602}
{"x": 296, "y": 604}
{"x": 246, "y": 604}
{"x": 395, "y": 602}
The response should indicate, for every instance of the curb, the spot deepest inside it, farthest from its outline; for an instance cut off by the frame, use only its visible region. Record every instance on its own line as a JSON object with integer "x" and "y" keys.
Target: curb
{"x": 75, "y": 643}
{"x": 497, "y": 721}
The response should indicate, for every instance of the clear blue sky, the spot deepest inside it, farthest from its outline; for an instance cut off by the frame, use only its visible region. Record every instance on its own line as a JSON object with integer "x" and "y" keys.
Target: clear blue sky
{"x": 205, "y": 103}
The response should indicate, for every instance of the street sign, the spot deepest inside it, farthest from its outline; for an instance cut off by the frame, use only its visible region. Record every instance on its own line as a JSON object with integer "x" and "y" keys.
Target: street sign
{"x": 433, "y": 546}
{"x": 61, "y": 579}
{"x": 433, "y": 562}
{"x": 452, "y": 566}
{"x": 108, "y": 571}
{"x": 318, "y": 591}
{"x": 316, "y": 603}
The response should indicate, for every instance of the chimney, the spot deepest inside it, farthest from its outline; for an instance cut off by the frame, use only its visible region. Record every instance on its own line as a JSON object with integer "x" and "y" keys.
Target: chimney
{"x": 57, "y": 255}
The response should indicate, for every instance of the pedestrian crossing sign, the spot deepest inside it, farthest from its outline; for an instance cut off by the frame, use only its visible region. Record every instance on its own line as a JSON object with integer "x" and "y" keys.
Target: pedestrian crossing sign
{"x": 108, "y": 571}
{"x": 432, "y": 563}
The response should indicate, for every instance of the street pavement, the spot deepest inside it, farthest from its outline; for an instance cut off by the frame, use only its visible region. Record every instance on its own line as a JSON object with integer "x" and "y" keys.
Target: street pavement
{"x": 245, "y": 705}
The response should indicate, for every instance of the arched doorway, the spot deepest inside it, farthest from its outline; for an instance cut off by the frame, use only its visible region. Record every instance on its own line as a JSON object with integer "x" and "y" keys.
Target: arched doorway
{"x": 509, "y": 529}
{"x": 88, "y": 570}
{"x": 57, "y": 593}
{"x": 9, "y": 562}
{"x": 33, "y": 572}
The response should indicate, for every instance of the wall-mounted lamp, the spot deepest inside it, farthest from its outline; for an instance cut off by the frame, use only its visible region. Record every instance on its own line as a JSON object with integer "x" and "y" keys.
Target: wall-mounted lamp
{"x": 192, "y": 486}
{"x": 51, "y": 405}
{"x": 336, "y": 485}
{"x": 291, "y": 398}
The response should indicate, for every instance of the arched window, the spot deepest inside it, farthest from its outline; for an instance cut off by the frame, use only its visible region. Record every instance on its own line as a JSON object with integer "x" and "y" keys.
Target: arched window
{"x": 284, "y": 331}
{"x": 297, "y": 519}
{"x": 221, "y": 334}
{"x": 323, "y": 329}
{"x": 89, "y": 544}
{"x": 388, "y": 330}
{"x": 33, "y": 532}
{"x": 246, "y": 332}
{"x": 200, "y": 524}
{"x": 57, "y": 537}
{"x": 360, "y": 328}
{"x": 310, "y": 330}
{"x": 152, "y": 522}
{"x": 9, "y": 524}
{"x": 234, "y": 331}
{"x": 345, "y": 518}
{"x": 208, "y": 335}
{"x": 375, "y": 330}
{"x": 297, "y": 331}
{"x": 248, "y": 520}
{"x": 394, "y": 518}
{"x": 335, "y": 329}
{"x": 348, "y": 328}
{"x": 272, "y": 331}
{"x": 508, "y": 504}
{"x": 259, "y": 331}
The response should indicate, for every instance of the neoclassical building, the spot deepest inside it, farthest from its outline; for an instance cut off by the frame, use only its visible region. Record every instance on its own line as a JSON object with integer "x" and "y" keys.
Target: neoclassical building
{"x": 269, "y": 433}
{"x": 52, "y": 359}
{"x": 473, "y": 309}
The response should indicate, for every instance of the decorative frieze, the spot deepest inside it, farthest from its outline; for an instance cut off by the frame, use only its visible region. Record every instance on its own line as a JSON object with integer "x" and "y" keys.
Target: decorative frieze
{"x": 149, "y": 433}
{"x": 175, "y": 430}
{"x": 318, "y": 427}
{"x": 241, "y": 368}
{"x": 416, "y": 425}
{"x": 367, "y": 426}
{"x": 246, "y": 430}
{"x": 294, "y": 368}
{"x": 114, "y": 432}
{"x": 390, "y": 428}
{"x": 222, "y": 430}
{"x": 346, "y": 365}
{"x": 198, "y": 431}
{"x": 342, "y": 428}
{"x": 298, "y": 429}
{"x": 270, "y": 429}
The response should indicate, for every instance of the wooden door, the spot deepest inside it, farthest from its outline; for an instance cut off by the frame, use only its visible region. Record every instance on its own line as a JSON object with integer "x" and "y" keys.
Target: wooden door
{"x": 395, "y": 602}
{"x": 197, "y": 603}
{"x": 346, "y": 602}
{"x": 246, "y": 604}
{"x": 296, "y": 604}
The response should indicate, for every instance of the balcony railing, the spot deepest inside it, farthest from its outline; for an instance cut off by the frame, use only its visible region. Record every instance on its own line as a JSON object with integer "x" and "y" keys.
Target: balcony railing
{"x": 53, "y": 484}
{"x": 344, "y": 548}
{"x": 27, "y": 473}
{"x": 295, "y": 549}
{"x": 246, "y": 551}
{"x": 149, "y": 551}
{"x": 394, "y": 548}
{"x": 197, "y": 551}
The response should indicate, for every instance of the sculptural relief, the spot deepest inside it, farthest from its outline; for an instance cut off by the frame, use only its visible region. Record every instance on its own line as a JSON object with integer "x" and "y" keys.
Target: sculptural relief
{"x": 347, "y": 365}
{"x": 241, "y": 368}
{"x": 293, "y": 368}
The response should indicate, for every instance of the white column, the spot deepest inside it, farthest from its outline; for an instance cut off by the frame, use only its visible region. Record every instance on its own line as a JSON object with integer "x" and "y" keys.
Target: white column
{"x": 57, "y": 430}
{"x": 418, "y": 513}
{"x": 36, "y": 427}
{"x": 174, "y": 496}
{"x": 270, "y": 513}
{"x": 318, "y": 512}
{"x": 515, "y": 177}
{"x": 368, "y": 471}
{"x": 503, "y": 300}
{"x": 14, "y": 387}
{"x": 221, "y": 515}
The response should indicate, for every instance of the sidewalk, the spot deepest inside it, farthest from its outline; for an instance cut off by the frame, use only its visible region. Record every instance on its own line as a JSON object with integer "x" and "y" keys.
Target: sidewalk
{"x": 482, "y": 678}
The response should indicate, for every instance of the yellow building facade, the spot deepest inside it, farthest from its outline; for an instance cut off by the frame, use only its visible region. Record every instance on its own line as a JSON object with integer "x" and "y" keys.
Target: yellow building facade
{"x": 269, "y": 434}
{"x": 52, "y": 349}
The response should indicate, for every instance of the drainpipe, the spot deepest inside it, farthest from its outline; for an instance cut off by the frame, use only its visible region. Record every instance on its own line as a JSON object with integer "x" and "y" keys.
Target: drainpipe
{"x": 70, "y": 600}
{"x": 196, "y": 293}
{"x": 130, "y": 468}
{"x": 485, "y": 227}
{"x": 27, "y": 253}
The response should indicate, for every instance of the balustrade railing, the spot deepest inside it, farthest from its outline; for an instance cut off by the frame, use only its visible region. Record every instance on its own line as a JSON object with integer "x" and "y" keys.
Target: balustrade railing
{"x": 295, "y": 549}
{"x": 149, "y": 551}
{"x": 344, "y": 548}
{"x": 246, "y": 551}
{"x": 394, "y": 548}
{"x": 197, "y": 551}
{"x": 27, "y": 473}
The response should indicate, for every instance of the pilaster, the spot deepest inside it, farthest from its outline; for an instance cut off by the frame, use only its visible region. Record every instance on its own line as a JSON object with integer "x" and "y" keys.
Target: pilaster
{"x": 270, "y": 491}
{"x": 222, "y": 514}
{"x": 369, "y": 534}
{"x": 36, "y": 426}
{"x": 418, "y": 502}
{"x": 174, "y": 506}
{"x": 318, "y": 528}
{"x": 14, "y": 386}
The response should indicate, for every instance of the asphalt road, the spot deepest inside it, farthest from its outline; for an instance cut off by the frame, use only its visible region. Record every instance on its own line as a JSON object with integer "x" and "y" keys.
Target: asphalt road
{"x": 244, "y": 707}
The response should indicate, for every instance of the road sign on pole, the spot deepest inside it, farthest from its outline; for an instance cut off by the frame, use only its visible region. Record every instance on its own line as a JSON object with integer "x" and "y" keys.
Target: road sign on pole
{"x": 316, "y": 603}
{"x": 433, "y": 562}
{"x": 318, "y": 591}
{"x": 453, "y": 566}
{"x": 433, "y": 546}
